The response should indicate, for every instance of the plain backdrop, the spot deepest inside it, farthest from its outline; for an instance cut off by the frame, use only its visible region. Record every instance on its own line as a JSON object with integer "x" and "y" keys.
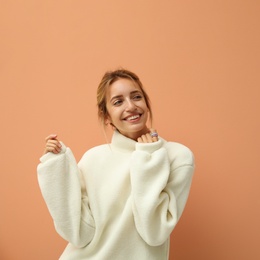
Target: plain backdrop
{"x": 198, "y": 60}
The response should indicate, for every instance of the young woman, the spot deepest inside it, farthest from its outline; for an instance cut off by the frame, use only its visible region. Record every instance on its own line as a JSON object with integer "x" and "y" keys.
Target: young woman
{"x": 123, "y": 199}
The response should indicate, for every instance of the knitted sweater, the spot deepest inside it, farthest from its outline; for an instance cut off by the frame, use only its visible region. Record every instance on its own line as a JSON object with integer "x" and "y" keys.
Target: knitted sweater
{"x": 121, "y": 201}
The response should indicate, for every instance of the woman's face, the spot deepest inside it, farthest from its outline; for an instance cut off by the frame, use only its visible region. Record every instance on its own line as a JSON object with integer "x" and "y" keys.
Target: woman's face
{"x": 127, "y": 108}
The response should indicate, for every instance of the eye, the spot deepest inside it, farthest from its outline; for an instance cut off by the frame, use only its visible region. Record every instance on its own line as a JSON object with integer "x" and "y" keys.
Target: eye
{"x": 137, "y": 97}
{"x": 117, "y": 102}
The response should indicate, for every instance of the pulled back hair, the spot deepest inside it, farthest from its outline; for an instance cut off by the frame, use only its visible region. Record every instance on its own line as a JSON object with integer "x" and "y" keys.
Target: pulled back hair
{"x": 108, "y": 79}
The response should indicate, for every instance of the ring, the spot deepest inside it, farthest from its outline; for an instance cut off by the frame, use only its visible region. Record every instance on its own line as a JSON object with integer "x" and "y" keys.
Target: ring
{"x": 154, "y": 134}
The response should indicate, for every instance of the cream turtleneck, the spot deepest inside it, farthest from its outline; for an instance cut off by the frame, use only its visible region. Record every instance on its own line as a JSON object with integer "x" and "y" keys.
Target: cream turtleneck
{"x": 121, "y": 201}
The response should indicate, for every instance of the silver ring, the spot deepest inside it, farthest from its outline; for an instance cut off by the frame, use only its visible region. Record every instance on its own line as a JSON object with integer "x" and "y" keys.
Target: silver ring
{"x": 154, "y": 134}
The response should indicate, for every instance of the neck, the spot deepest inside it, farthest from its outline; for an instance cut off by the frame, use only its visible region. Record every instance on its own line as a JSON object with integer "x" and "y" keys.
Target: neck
{"x": 136, "y": 135}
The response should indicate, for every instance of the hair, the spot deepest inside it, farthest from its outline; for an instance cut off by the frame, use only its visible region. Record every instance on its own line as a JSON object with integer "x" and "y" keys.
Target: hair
{"x": 108, "y": 79}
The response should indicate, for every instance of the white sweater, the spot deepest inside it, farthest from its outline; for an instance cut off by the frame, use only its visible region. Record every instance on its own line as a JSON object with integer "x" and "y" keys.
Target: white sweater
{"x": 121, "y": 202}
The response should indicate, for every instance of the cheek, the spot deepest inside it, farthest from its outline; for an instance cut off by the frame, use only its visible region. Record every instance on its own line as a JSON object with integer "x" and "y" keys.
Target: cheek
{"x": 144, "y": 107}
{"x": 111, "y": 114}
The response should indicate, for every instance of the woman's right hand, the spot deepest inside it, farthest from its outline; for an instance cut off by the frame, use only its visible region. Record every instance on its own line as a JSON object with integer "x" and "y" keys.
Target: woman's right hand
{"x": 52, "y": 144}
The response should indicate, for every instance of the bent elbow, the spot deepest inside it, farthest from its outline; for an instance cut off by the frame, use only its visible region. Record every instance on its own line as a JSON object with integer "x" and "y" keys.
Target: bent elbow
{"x": 160, "y": 235}
{"x": 78, "y": 239}
{"x": 84, "y": 239}
{"x": 155, "y": 241}
{"x": 79, "y": 243}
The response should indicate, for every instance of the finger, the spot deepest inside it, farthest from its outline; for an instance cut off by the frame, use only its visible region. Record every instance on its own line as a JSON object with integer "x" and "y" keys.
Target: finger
{"x": 154, "y": 135}
{"x": 153, "y": 131}
{"x": 53, "y": 145}
{"x": 51, "y": 151}
{"x": 52, "y": 148}
{"x": 142, "y": 139}
{"x": 52, "y": 136}
{"x": 139, "y": 140}
{"x": 155, "y": 138}
{"x": 148, "y": 138}
{"x": 54, "y": 142}
{"x": 145, "y": 138}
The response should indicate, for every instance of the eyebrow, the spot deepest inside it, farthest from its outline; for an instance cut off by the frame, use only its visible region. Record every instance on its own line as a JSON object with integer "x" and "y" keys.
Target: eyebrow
{"x": 131, "y": 93}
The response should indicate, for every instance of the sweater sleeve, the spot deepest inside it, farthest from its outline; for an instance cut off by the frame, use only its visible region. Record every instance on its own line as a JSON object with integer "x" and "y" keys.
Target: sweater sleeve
{"x": 64, "y": 193}
{"x": 160, "y": 189}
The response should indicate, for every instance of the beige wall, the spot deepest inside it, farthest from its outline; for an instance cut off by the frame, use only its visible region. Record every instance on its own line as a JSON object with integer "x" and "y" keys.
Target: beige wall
{"x": 199, "y": 60}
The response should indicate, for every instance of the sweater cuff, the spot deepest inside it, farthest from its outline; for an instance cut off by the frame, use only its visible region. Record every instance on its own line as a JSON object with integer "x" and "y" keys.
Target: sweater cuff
{"x": 50, "y": 155}
{"x": 149, "y": 147}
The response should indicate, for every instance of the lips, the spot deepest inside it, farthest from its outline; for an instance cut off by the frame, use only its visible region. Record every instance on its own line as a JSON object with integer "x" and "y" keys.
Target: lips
{"x": 132, "y": 117}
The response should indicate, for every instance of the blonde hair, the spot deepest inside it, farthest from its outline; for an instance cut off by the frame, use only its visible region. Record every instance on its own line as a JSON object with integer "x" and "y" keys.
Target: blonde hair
{"x": 108, "y": 79}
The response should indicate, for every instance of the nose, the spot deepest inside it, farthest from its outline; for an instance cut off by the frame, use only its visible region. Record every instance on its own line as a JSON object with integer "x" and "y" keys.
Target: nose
{"x": 130, "y": 105}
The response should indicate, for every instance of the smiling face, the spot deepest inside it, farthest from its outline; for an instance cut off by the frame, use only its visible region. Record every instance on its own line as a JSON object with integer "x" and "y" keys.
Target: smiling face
{"x": 127, "y": 109}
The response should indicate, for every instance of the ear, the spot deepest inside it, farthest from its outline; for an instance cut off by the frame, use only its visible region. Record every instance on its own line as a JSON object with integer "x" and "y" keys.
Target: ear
{"x": 108, "y": 120}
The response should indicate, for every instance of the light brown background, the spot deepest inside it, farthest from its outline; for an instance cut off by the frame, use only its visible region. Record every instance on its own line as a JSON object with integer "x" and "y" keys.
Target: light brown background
{"x": 199, "y": 60}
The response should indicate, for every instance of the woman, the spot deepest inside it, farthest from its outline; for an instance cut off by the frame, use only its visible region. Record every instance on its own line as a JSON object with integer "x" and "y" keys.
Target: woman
{"x": 122, "y": 200}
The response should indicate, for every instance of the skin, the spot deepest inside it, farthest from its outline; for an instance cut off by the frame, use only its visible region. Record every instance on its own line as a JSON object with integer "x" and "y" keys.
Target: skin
{"x": 52, "y": 144}
{"x": 128, "y": 113}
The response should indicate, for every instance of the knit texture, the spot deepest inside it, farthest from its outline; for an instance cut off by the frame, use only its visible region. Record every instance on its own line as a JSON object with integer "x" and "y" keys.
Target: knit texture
{"x": 121, "y": 201}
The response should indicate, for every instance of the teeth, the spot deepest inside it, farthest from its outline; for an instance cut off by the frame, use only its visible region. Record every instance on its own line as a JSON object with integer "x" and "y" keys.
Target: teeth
{"x": 132, "y": 117}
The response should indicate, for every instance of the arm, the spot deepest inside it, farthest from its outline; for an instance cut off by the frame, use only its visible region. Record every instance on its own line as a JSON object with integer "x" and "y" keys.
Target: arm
{"x": 64, "y": 194}
{"x": 160, "y": 190}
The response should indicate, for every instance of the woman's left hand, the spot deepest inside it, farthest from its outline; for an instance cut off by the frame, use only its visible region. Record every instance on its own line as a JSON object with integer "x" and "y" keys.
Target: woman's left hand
{"x": 150, "y": 137}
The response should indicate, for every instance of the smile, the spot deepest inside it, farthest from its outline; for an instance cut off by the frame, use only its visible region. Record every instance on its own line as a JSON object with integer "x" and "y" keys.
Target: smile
{"x": 133, "y": 117}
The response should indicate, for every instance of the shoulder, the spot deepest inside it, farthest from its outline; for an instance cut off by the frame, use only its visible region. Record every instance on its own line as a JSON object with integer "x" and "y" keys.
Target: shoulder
{"x": 93, "y": 152}
{"x": 94, "y": 156}
{"x": 178, "y": 153}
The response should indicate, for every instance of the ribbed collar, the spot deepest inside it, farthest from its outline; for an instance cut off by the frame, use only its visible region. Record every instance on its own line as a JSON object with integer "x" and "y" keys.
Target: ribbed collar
{"x": 121, "y": 143}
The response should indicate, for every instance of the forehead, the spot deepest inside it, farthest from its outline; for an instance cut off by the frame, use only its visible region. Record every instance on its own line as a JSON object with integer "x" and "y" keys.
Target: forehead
{"x": 122, "y": 87}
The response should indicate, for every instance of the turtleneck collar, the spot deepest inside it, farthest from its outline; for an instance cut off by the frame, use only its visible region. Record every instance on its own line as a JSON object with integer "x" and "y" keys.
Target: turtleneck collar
{"x": 122, "y": 143}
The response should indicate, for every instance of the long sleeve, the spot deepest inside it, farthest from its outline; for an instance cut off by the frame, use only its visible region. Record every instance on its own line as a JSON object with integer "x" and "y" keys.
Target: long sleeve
{"x": 160, "y": 187}
{"x": 64, "y": 193}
